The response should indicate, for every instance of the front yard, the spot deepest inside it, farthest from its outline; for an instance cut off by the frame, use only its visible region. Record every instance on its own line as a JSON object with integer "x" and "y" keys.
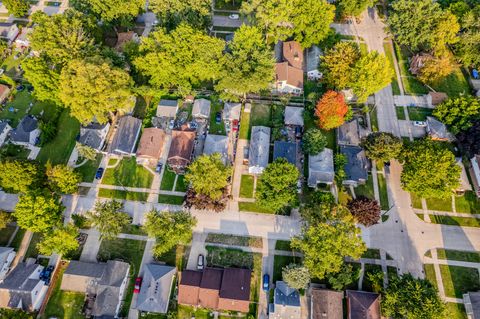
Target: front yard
{"x": 119, "y": 194}
{"x": 89, "y": 169}
{"x": 171, "y": 199}
{"x": 459, "y": 280}
{"x": 419, "y": 113}
{"x": 246, "y": 186}
{"x": 128, "y": 174}
{"x": 279, "y": 262}
{"x": 253, "y": 207}
{"x": 468, "y": 203}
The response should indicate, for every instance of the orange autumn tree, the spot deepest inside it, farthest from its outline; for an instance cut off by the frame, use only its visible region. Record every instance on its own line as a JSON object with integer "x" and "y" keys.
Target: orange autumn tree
{"x": 331, "y": 110}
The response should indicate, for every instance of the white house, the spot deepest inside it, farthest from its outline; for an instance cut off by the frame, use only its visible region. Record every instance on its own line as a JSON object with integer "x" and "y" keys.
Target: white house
{"x": 5, "y": 128}
{"x": 259, "y": 150}
{"x": 201, "y": 109}
{"x": 7, "y": 254}
{"x": 8, "y": 31}
{"x": 26, "y": 133}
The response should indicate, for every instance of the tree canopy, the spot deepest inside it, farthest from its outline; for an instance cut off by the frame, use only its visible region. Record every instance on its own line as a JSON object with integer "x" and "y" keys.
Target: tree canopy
{"x": 436, "y": 68}
{"x": 18, "y": 8}
{"x": 249, "y": 66}
{"x": 38, "y": 212}
{"x": 181, "y": 59}
{"x": 408, "y": 297}
{"x": 5, "y": 218}
{"x": 348, "y": 8}
{"x": 366, "y": 211}
{"x": 331, "y": 110}
{"x": 169, "y": 229}
{"x": 175, "y": 12}
{"x": 19, "y": 176}
{"x": 382, "y": 146}
{"x": 337, "y": 64}
{"x": 108, "y": 218}
{"x": 313, "y": 141}
{"x": 458, "y": 113}
{"x": 92, "y": 89}
{"x": 63, "y": 178}
{"x": 276, "y": 187}
{"x": 469, "y": 140}
{"x": 208, "y": 175}
{"x": 109, "y": 10}
{"x": 344, "y": 277}
{"x": 429, "y": 169}
{"x": 61, "y": 240}
{"x": 467, "y": 49}
{"x": 296, "y": 276}
{"x": 44, "y": 77}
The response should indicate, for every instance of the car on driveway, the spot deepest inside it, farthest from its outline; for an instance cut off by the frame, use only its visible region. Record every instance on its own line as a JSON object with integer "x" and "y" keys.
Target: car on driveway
{"x": 158, "y": 168}
{"x": 420, "y": 123}
{"x": 266, "y": 282}
{"x": 138, "y": 284}
{"x": 200, "y": 262}
{"x": 234, "y": 16}
{"x": 99, "y": 173}
{"x": 218, "y": 117}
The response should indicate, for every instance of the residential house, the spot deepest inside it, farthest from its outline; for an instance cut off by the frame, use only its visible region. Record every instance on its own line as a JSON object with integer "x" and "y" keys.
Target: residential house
{"x": 326, "y": 304}
{"x": 294, "y": 116}
{"x": 22, "y": 41}
{"x": 125, "y": 37}
{"x": 357, "y": 166}
{"x": 471, "y": 300}
{"x": 259, "y": 149}
{"x": 219, "y": 289}
{"x": 217, "y": 144}
{"x": 363, "y": 305}
{"x": 9, "y": 31}
{"x": 313, "y": 61}
{"x": 231, "y": 111}
{"x": 151, "y": 145}
{"x": 126, "y": 136}
{"x": 475, "y": 173}
{"x": 201, "y": 109}
{"x": 437, "y": 130}
{"x": 351, "y": 133}
{"x": 286, "y": 150}
{"x": 154, "y": 295}
{"x": 103, "y": 283}
{"x": 7, "y": 254}
{"x": 321, "y": 168}
{"x": 22, "y": 288}
{"x": 464, "y": 182}
{"x": 26, "y": 133}
{"x": 181, "y": 150}
{"x": 94, "y": 135}
{"x": 286, "y": 302}
{"x": 4, "y": 92}
{"x": 289, "y": 72}
{"x": 5, "y": 128}
{"x": 167, "y": 108}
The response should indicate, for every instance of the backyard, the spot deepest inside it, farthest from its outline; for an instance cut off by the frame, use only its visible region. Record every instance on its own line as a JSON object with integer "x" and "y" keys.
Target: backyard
{"x": 128, "y": 174}
{"x": 216, "y": 128}
{"x": 246, "y": 186}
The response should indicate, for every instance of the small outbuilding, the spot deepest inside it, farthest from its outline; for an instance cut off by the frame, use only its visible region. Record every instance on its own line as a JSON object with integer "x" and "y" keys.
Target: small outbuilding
{"x": 294, "y": 116}
{"x": 201, "y": 109}
{"x": 321, "y": 168}
{"x": 167, "y": 108}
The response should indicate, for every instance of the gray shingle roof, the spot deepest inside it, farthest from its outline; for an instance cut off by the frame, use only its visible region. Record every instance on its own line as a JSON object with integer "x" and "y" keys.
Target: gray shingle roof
{"x": 326, "y": 304}
{"x": 24, "y": 129}
{"x": 321, "y": 168}
{"x": 294, "y": 115}
{"x": 80, "y": 268}
{"x": 473, "y": 307}
{"x": 438, "y": 130}
{"x": 351, "y": 133}
{"x": 286, "y": 302}
{"x": 259, "y": 149}
{"x": 167, "y": 108}
{"x": 231, "y": 111}
{"x": 93, "y": 135}
{"x": 201, "y": 108}
{"x": 216, "y": 144}
{"x": 154, "y": 294}
{"x": 3, "y": 125}
{"x": 357, "y": 165}
{"x": 287, "y": 150}
{"x": 126, "y": 136}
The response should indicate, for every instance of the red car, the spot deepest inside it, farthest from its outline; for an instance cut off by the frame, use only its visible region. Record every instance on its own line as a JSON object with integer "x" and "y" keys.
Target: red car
{"x": 138, "y": 284}
{"x": 235, "y": 125}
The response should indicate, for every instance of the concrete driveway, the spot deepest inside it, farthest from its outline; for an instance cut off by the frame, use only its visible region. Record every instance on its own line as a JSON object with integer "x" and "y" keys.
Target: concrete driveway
{"x": 197, "y": 248}
{"x": 225, "y": 21}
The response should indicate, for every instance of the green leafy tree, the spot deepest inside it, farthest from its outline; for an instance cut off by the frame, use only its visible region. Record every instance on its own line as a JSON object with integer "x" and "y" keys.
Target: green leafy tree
{"x": 110, "y": 10}
{"x": 296, "y": 276}
{"x": 349, "y": 8}
{"x": 175, "y": 12}
{"x": 326, "y": 243}
{"x": 318, "y": 205}
{"x": 344, "y": 277}
{"x": 19, "y": 176}
{"x": 458, "y": 113}
{"x": 85, "y": 151}
{"x": 340, "y": 160}
{"x": 62, "y": 37}
{"x": 382, "y": 146}
{"x": 38, "y": 212}
{"x": 467, "y": 49}
{"x": 169, "y": 229}
{"x": 208, "y": 175}
{"x": 429, "y": 169}
{"x": 248, "y": 66}
{"x": 5, "y": 219}
{"x": 63, "y": 178}
{"x": 44, "y": 77}
{"x": 18, "y": 8}
{"x": 108, "y": 218}
{"x": 61, "y": 240}
{"x": 313, "y": 141}
{"x": 337, "y": 64}
{"x": 436, "y": 68}
{"x": 370, "y": 74}
{"x": 276, "y": 187}
{"x": 93, "y": 89}
{"x": 409, "y": 297}
{"x": 180, "y": 60}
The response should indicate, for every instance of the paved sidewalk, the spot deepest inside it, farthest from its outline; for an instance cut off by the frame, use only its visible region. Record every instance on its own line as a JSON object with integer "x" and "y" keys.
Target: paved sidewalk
{"x": 440, "y": 213}
{"x": 132, "y": 189}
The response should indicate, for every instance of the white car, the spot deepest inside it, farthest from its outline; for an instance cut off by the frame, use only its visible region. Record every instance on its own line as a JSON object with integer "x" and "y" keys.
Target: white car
{"x": 234, "y": 16}
{"x": 420, "y": 123}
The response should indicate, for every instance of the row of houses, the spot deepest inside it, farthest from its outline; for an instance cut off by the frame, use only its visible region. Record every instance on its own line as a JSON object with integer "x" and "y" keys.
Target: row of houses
{"x": 27, "y": 132}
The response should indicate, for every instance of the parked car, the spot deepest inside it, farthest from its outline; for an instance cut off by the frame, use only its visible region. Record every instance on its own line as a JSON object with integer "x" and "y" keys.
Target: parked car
{"x": 171, "y": 125}
{"x": 218, "y": 117}
{"x": 266, "y": 282}
{"x": 99, "y": 173}
{"x": 235, "y": 125}
{"x": 158, "y": 168}
{"x": 420, "y": 123}
{"x": 234, "y": 16}
{"x": 138, "y": 284}
{"x": 200, "y": 262}
{"x": 20, "y": 88}
{"x": 298, "y": 132}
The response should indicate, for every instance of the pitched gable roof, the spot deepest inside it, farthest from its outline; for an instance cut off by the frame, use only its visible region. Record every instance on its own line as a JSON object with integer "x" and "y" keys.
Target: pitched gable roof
{"x": 326, "y": 304}
{"x": 126, "y": 135}
{"x": 321, "y": 168}
{"x": 24, "y": 129}
{"x": 154, "y": 294}
{"x": 151, "y": 143}
{"x": 363, "y": 305}
{"x": 293, "y": 54}
{"x": 292, "y": 76}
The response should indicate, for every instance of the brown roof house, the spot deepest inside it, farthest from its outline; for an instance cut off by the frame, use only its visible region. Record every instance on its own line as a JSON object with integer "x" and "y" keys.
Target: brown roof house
{"x": 125, "y": 37}
{"x": 181, "y": 150}
{"x": 151, "y": 145}
{"x": 220, "y": 289}
{"x": 289, "y": 71}
{"x": 4, "y": 92}
{"x": 363, "y": 305}
{"x": 326, "y": 304}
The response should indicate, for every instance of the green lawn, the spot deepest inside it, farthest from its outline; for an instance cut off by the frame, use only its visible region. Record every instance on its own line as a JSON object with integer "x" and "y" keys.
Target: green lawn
{"x": 331, "y": 139}
{"x": 128, "y": 250}
{"x": 13, "y": 152}
{"x": 253, "y": 207}
{"x": 459, "y": 255}
{"x": 128, "y": 174}
{"x": 455, "y": 221}
{"x": 134, "y": 230}
{"x": 182, "y": 184}
{"x": 171, "y": 199}
{"x": 455, "y": 310}
{"x": 416, "y": 201}
{"x": 246, "y": 186}
{"x": 374, "y": 120}
{"x": 176, "y": 256}
{"x": 468, "y": 203}
{"x": 382, "y": 189}
{"x": 32, "y": 251}
{"x": 367, "y": 189}
{"x": 283, "y": 245}
{"x": 400, "y": 112}
{"x": 430, "y": 274}
{"x": 410, "y": 83}
{"x": 233, "y": 240}
{"x": 459, "y": 280}
{"x": 419, "y": 113}
{"x": 454, "y": 85}
{"x": 190, "y": 312}
{"x": 17, "y": 240}
{"x": 371, "y": 253}
{"x": 261, "y": 115}
{"x": 229, "y": 257}
{"x": 279, "y": 262}
{"x": 387, "y": 46}
{"x": 168, "y": 180}
{"x": 89, "y": 169}
{"x": 59, "y": 149}
{"x": 20, "y": 103}
{"x": 10, "y": 65}
{"x": 443, "y": 205}
{"x": 118, "y": 194}
{"x": 5, "y": 234}
{"x": 391, "y": 272}
{"x": 244, "y": 132}
{"x": 215, "y": 128}
{"x": 64, "y": 304}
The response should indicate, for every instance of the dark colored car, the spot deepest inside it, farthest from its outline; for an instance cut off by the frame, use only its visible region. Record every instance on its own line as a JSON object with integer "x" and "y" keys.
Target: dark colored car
{"x": 158, "y": 168}
{"x": 138, "y": 284}
{"x": 266, "y": 282}
{"x": 218, "y": 117}
{"x": 235, "y": 125}
{"x": 99, "y": 173}
{"x": 20, "y": 88}
{"x": 298, "y": 132}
